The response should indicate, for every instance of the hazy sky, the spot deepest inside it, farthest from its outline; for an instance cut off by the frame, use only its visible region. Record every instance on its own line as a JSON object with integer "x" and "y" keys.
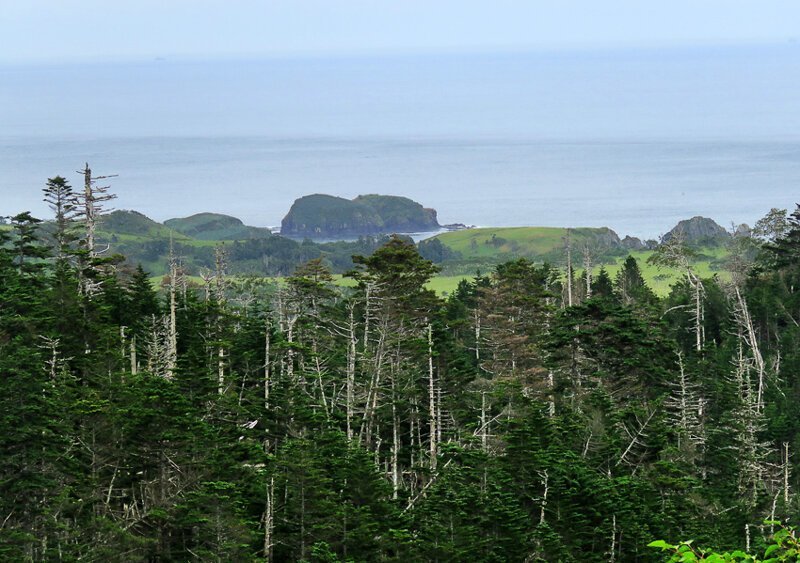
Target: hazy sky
{"x": 59, "y": 30}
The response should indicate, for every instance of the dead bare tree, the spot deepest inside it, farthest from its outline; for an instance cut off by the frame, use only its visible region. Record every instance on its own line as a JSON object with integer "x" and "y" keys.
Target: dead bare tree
{"x": 685, "y": 406}
{"x": 92, "y": 203}
{"x": 674, "y": 253}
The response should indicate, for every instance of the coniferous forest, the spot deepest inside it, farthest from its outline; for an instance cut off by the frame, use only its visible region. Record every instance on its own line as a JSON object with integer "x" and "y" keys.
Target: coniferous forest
{"x": 535, "y": 414}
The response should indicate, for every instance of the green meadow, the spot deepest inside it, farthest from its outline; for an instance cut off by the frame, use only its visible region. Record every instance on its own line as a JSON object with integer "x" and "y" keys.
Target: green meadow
{"x": 549, "y": 243}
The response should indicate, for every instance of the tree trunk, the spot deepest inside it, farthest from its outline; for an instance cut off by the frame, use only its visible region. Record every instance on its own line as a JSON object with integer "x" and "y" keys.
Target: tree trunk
{"x": 351, "y": 373}
{"x": 432, "y": 402}
{"x": 269, "y": 520}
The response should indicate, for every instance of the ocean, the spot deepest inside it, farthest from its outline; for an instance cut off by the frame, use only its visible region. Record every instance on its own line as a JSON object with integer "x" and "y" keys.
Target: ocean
{"x": 630, "y": 139}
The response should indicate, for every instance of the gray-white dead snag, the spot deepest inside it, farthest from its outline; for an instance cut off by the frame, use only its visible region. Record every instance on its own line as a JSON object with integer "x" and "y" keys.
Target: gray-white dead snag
{"x": 749, "y": 424}
{"x": 686, "y": 407}
{"x": 172, "y": 356}
{"x": 396, "y": 444}
{"x": 351, "y": 369}
{"x": 568, "y": 244}
{"x": 636, "y": 437}
{"x": 484, "y": 427}
{"x": 427, "y": 486}
{"x": 158, "y": 347}
{"x": 698, "y": 315}
{"x": 269, "y": 520}
{"x": 432, "y": 407}
{"x": 748, "y": 336}
{"x": 546, "y": 483}
{"x": 587, "y": 270}
{"x": 786, "y": 463}
{"x": 91, "y": 204}
{"x": 675, "y": 254}
{"x": 289, "y": 316}
{"x": 219, "y": 294}
{"x": 55, "y": 364}
{"x": 378, "y": 361}
{"x": 348, "y": 331}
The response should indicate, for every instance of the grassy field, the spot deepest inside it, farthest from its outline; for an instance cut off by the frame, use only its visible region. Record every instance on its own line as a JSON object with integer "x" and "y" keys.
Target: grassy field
{"x": 533, "y": 242}
{"x": 523, "y": 241}
{"x": 536, "y": 243}
{"x": 659, "y": 279}
{"x": 442, "y": 285}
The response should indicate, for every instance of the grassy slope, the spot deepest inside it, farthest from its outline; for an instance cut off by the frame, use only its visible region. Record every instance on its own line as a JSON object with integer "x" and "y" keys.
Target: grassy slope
{"x": 528, "y": 241}
{"x": 660, "y": 280}
{"x": 533, "y": 242}
{"x": 524, "y": 241}
{"x": 215, "y": 227}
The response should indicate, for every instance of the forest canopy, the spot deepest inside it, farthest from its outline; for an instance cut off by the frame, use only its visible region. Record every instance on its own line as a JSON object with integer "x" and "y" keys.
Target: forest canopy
{"x": 534, "y": 414}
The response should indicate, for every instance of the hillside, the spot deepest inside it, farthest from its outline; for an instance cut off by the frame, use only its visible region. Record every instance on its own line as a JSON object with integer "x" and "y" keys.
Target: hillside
{"x": 482, "y": 249}
{"x": 326, "y": 216}
{"x": 544, "y": 243}
{"x": 215, "y": 226}
{"x": 460, "y": 254}
{"x": 132, "y": 224}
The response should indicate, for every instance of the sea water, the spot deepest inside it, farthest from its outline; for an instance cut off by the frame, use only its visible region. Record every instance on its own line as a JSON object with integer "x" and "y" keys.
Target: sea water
{"x": 633, "y": 140}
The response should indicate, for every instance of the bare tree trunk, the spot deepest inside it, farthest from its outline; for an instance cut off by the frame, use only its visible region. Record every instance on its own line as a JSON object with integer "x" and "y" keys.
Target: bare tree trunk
{"x": 351, "y": 372}
{"x": 219, "y": 290}
{"x": 413, "y": 424}
{"x": 569, "y": 269}
{"x": 432, "y": 401}
{"x": 220, "y": 370}
{"x": 89, "y": 210}
{"x": 484, "y": 424}
{"x": 267, "y": 366}
{"x": 134, "y": 360}
{"x": 546, "y": 482}
{"x": 746, "y": 322}
{"x": 269, "y": 520}
{"x": 395, "y": 442}
{"x": 290, "y": 349}
{"x": 371, "y": 405}
{"x": 172, "y": 352}
{"x": 587, "y": 267}
{"x": 698, "y": 314}
{"x": 92, "y": 200}
{"x": 320, "y": 382}
{"x": 612, "y": 556}
{"x": 439, "y": 424}
{"x": 477, "y": 317}
{"x": 786, "y": 473}
{"x": 367, "y": 313}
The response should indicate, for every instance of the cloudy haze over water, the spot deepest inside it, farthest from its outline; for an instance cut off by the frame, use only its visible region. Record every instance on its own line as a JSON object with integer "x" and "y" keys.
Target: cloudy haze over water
{"x": 628, "y": 114}
{"x": 50, "y": 30}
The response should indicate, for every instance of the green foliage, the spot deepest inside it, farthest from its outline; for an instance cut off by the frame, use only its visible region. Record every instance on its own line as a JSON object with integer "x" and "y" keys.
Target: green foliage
{"x": 378, "y": 422}
{"x": 784, "y": 546}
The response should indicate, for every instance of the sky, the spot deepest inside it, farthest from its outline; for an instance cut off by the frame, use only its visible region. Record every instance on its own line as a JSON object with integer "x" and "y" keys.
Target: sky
{"x": 47, "y": 31}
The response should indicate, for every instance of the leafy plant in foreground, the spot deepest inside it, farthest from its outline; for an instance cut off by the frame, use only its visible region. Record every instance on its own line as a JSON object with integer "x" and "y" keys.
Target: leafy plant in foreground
{"x": 785, "y": 546}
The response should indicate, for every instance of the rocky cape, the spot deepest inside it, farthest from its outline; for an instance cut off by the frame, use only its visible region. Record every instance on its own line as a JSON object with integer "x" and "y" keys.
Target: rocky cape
{"x": 326, "y": 216}
{"x": 698, "y": 231}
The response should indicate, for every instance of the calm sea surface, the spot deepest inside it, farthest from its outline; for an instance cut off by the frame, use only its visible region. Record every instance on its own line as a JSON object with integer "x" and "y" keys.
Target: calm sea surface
{"x": 633, "y": 140}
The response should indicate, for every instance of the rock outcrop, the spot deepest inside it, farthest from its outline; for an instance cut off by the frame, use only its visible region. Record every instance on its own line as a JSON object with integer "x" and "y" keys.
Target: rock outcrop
{"x": 698, "y": 231}
{"x": 326, "y": 216}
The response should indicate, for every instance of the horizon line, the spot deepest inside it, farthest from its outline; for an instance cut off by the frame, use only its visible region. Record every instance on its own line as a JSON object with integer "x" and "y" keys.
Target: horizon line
{"x": 401, "y": 52}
